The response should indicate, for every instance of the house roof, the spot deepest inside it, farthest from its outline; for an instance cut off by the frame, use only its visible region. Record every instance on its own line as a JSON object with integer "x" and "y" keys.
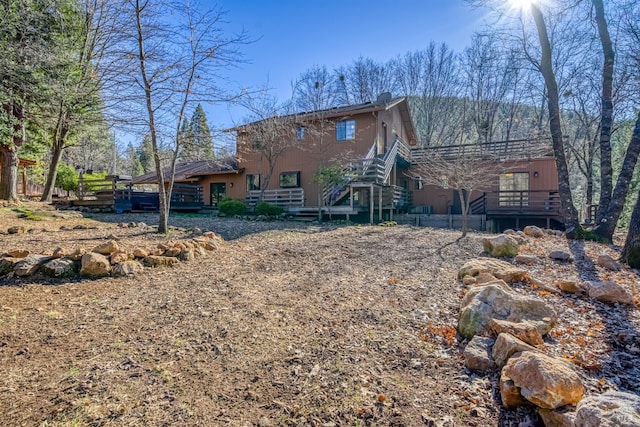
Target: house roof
{"x": 383, "y": 103}
{"x": 189, "y": 171}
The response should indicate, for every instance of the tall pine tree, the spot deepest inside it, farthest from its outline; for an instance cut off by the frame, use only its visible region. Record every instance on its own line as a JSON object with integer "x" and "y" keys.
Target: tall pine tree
{"x": 196, "y": 138}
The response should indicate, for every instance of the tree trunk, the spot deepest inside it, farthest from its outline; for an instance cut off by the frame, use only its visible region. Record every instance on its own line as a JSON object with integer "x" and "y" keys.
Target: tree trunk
{"x": 9, "y": 175}
{"x": 606, "y": 117}
{"x": 609, "y": 219}
{"x": 631, "y": 250}
{"x": 464, "y": 207}
{"x": 57, "y": 145}
{"x": 567, "y": 210}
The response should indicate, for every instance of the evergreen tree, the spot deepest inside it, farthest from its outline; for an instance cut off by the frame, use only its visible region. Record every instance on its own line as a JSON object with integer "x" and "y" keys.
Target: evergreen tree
{"x": 196, "y": 137}
{"x": 145, "y": 154}
{"x": 132, "y": 163}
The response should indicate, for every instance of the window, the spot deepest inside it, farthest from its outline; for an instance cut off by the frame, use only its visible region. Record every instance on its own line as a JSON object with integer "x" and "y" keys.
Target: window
{"x": 253, "y": 182}
{"x": 514, "y": 189}
{"x": 345, "y": 130}
{"x": 419, "y": 183}
{"x": 300, "y": 133}
{"x": 290, "y": 179}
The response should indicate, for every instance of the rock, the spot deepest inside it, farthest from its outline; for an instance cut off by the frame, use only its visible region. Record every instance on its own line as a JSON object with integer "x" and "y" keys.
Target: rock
{"x": 60, "y": 267}
{"x": 506, "y": 346}
{"x": 535, "y": 283}
{"x": 608, "y": 263}
{"x": 206, "y": 243}
{"x": 127, "y": 268}
{"x": 94, "y": 264}
{"x": 173, "y": 252}
{"x": 158, "y": 260}
{"x": 533, "y": 231}
{"x": 608, "y": 291}
{"x": 77, "y": 254}
{"x": 118, "y": 257}
{"x": 544, "y": 381}
{"x": 18, "y": 253}
{"x": 140, "y": 253}
{"x": 199, "y": 250}
{"x": 113, "y": 237}
{"x": 477, "y": 354}
{"x": 497, "y": 268}
{"x": 611, "y": 409}
{"x": 468, "y": 280}
{"x": 29, "y": 265}
{"x": 59, "y": 253}
{"x": 187, "y": 255}
{"x": 569, "y": 286}
{"x": 481, "y": 304}
{"x": 523, "y": 331}
{"x": 557, "y": 418}
{"x": 560, "y": 255}
{"x": 106, "y": 248}
{"x": 485, "y": 277}
{"x": 16, "y": 229}
{"x": 7, "y": 264}
{"x": 526, "y": 259}
{"x": 509, "y": 393}
{"x": 502, "y": 245}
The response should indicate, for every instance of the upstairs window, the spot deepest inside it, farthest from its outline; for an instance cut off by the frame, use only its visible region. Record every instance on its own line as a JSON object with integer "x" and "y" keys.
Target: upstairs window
{"x": 514, "y": 189}
{"x": 345, "y": 130}
{"x": 300, "y": 133}
{"x": 290, "y": 179}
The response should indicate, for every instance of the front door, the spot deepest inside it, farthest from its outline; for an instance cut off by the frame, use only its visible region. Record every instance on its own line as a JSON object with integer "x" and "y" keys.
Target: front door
{"x": 218, "y": 191}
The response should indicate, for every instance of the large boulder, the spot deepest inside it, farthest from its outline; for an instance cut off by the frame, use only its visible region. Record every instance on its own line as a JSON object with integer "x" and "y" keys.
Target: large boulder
{"x": 7, "y": 264}
{"x": 608, "y": 291}
{"x": 477, "y": 354}
{"x": 502, "y": 245}
{"x": 521, "y": 330}
{"x": 127, "y": 268}
{"x": 481, "y": 304}
{"x": 497, "y": 268}
{"x": 60, "y": 267}
{"x": 533, "y": 231}
{"x": 611, "y": 409}
{"x": 94, "y": 264}
{"x": 543, "y": 380}
{"x": 557, "y": 418}
{"x": 506, "y": 346}
{"x": 106, "y": 248}
{"x": 29, "y": 265}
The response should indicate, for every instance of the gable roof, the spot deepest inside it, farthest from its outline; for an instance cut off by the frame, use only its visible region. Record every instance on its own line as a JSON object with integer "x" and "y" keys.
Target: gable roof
{"x": 348, "y": 110}
{"x": 189, "y": 171}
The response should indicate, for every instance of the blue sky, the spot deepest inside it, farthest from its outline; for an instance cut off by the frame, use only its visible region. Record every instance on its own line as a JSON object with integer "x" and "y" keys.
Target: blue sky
{"x": 295, "y": 35}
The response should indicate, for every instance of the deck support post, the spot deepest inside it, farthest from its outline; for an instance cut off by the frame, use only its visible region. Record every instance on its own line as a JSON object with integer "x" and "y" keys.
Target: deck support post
{"x": 380, "y": 204}
{"x": 371, "y": 204}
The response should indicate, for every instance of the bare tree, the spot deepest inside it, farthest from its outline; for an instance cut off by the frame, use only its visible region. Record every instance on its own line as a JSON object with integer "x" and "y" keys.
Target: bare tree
{"x": 431, "y": 80}
{"x": 172, "y": 66}
{"x": 363, "y": 80}
{"x": 460, "y": 170}
{"x": 270, "y": 133}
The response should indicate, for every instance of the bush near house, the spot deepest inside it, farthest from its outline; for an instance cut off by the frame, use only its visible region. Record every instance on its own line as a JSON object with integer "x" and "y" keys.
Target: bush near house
{"x": 264, "y": 208}
{"x": 230, "y": 206}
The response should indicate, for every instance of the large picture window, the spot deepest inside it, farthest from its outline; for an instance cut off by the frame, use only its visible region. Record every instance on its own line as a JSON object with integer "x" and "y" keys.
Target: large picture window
{"x": 345, "y": 130}
{"x": 253, "y": 182}
{"x": 290, "y": 179}
{"x": 514, "y": 189}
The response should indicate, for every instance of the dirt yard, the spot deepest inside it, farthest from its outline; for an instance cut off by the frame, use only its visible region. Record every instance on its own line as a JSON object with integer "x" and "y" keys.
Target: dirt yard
{"x": 289, "y": 325}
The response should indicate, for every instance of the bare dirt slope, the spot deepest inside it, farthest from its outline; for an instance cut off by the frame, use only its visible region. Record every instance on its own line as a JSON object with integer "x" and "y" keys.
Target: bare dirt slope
{"x": 288, "y": 325}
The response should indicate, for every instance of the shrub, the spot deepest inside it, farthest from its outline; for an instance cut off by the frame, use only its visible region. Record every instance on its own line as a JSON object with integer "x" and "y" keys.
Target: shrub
{"x": 264, "y": 208}
{"x": 229, "y": 206}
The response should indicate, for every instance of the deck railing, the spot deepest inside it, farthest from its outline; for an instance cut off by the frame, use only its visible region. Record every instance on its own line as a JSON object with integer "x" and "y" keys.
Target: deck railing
{"x": 502, "y": 150}
{"x": 287, "y": 198}
{"x": 520, "y": 202}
